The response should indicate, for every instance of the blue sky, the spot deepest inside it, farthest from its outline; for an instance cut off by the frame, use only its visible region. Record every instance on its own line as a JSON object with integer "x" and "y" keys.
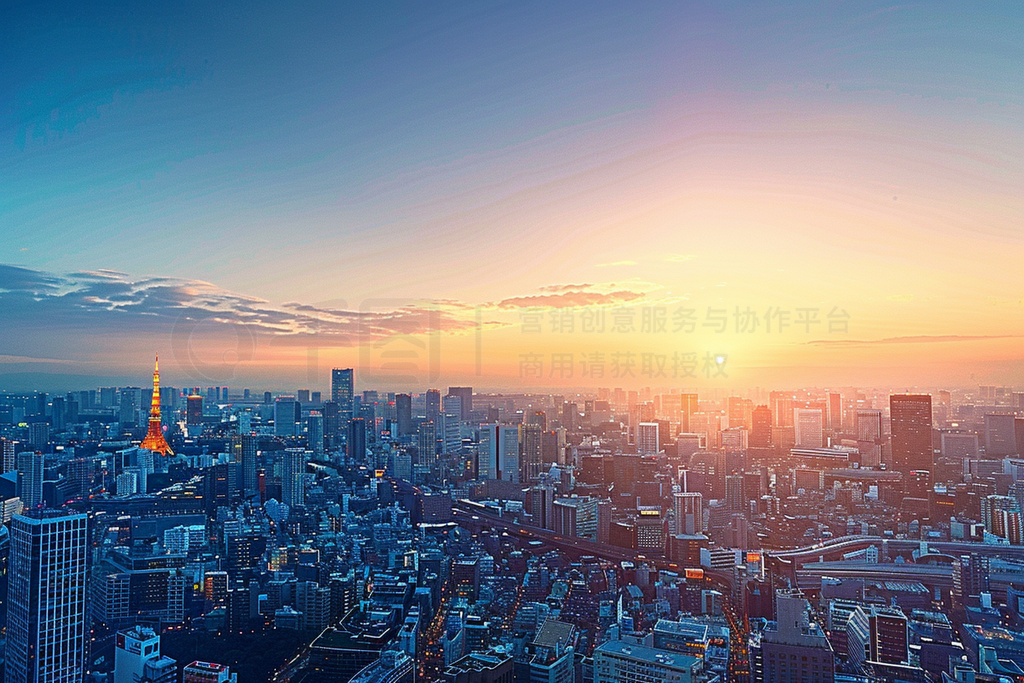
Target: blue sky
{"x": 314, "y": 152}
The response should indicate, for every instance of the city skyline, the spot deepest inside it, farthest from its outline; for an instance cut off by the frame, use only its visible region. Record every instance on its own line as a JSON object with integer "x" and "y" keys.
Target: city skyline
{"x": 261, "y": 205}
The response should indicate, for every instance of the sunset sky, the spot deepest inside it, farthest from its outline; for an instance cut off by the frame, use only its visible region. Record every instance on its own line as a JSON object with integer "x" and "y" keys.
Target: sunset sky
{"x": 261, "y": 191}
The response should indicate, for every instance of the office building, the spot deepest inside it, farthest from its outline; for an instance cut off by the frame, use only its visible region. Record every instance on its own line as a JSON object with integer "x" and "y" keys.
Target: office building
{"x": 403, "y": 414}
{"x": 465, "y": 395}
{"x": 250, "y": 465}
{"x": 688, "y": 508}
{"x": 207, "y": 672}
{"x": 286, "y": 416}
{"x": 293, "y": 473}
{"x": 807, "y": 423}
{"x": 356, "y": 442}
{"x": 1000, "y": 436}
{"x": 342, "y": 386}
{"x": 46, "y": 598}
{"x": 647, "y": 438}
{"x": 617, "y": 661}
{"x": 794, "y": 648}
{"x": 137, "y": 658}
{"x": 877, "y": 634}
{"x": 30, "y": 478}
{"x": 910, "y": 417}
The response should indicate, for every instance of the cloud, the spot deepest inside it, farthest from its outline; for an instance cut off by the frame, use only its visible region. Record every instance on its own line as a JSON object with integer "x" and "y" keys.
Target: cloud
{"x": 16, "y": 278}
{"x": 59, "y": 315}
{"x": 918, "y": 339}
{"x": 588, "y": 295}
{"x": 680, "y": 258}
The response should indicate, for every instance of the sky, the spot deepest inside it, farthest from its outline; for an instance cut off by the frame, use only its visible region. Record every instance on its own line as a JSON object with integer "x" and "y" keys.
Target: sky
{"x": 819, "y": 194}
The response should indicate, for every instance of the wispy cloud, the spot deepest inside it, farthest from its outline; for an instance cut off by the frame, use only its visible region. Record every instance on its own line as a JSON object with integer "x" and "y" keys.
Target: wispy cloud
{"x": 917, "y": 339}
{"x": 102, "y": 303}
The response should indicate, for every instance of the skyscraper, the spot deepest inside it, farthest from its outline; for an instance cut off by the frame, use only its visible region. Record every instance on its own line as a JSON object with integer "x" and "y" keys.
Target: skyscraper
{"x": 7, "y": 462}
{"x": 530, "y": 447}
{"x": 1000, "y": 435}
{"x": 342, "y": 383}
{"x": 911, "y": 427}
{"x": 285, "y": 409}
{"x": 403, "y": 414}
{"x": 154, "y": 440}
{"x": 466, "y": 394}
{"x": 250, "y": 465}
{"x": 194, "y": 411}
{"x": 432, "y": 405}
{"x": 293, "y": 470}
{"x": 30, "y": 472}
{"x": 761, "y": 431}
{"x": 46, "y": 599}
{"x": 647, "y": 442}
{"x": 794, "y": 648}
{"x": 807, "y": 422}
{"x": 332, "y": 423}
{"x": 357, "y": 439}
{"x": 689, "y": 512}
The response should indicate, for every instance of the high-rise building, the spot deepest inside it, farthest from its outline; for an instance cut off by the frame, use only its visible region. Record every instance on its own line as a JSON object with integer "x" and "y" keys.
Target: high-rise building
{"x": 466, "y": 395}
{"x": 508, "y": 454}
{"x": 128, "y": 412}
{"x": 137, "y": 658}
{"x": 1000, "y": 436}
{"x": 315, "y": 432}
{"x": 795, "y": 649}
{"x": 689, "y": 512}
{"x": 285, "y": 409}
{"x": 342, "y": 385}
{"x": 426, "y": 442}
{"x": 293, "y": 472}
{"x": 835, "y": 412}
{"x": 194, "y": 410}
{"x": 910, "y": 417}
{"x": 647, "y": 438}
{"x": 154, "y": 440}
{"x": 531, "y": 449}
{"x": 688, "y": 405}
{"x": 46, "y": 598}
{"x": 357, "y": 439}
{"x": 7, "y": 462}
{"x": 31, "y": 467}
{"x": 250, "y": 465}
{"x": 734, "y": 500}
{"x": 807, "y": 423}
{"x": 403, "y": 414}
{"x": 761, "y": 430}
{"x": 877, "y": 634}
{"x": 869, "y": 424}
{"x": 432, "y": 405}
{"x": 332, "y": 423}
